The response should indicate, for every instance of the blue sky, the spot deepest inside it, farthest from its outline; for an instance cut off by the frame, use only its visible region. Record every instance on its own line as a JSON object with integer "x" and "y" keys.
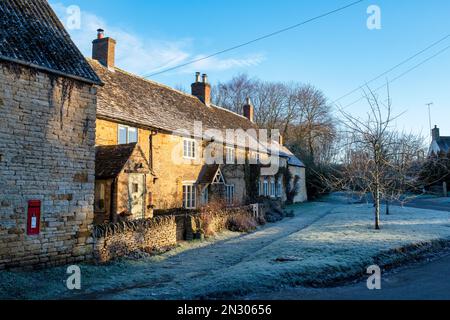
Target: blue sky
{"x": 336, "y": 54}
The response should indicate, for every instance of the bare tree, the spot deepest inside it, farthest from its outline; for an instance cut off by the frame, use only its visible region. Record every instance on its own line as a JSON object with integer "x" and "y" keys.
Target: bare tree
{"x": 313, "y": 124}
{"x": 378, "y": 160}
{"x": 300, "y": 112}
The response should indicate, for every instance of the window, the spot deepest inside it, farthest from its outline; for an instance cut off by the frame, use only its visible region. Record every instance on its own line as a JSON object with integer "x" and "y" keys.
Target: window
{"x": 230, "y": 155}
{"x": 279, "y": 188}
{"x": 189, "y": 200}
{"x": 272, "y": 187}
{"x": 189, "y": 149}
{"x": 265, "y": 188}
{"x": 230, "y": 194}
{"x": 127, "y": 135}
{"x": 135, "y": 188}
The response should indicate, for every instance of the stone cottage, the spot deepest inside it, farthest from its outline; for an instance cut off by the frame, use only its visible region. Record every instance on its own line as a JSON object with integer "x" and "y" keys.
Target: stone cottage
{"x": 164, "y": 122}
{"x": 440, "y": 145}
{"x": 47, "y": 139}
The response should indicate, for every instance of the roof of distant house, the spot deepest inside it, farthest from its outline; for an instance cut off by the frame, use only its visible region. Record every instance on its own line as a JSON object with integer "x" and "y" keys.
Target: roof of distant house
{"x": 32, "y": 35}
{"x": 444, "y": 144}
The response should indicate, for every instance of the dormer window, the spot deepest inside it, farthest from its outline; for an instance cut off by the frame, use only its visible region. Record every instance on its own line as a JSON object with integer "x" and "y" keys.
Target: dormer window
{"x": 127, "y": 135}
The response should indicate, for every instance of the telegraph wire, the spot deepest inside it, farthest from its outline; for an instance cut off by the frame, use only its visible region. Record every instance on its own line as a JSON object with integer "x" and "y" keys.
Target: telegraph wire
{"x": 393, "y": 68}
{"x": 401, "y": 75}
{"x": 257, "y": 39}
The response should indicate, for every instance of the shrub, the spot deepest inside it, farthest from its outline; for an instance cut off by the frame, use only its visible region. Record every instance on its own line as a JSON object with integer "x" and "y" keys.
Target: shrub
{"x": 241, "y": 223}
{"x": 261, "y": 220}
{"x": 209, "y": 221}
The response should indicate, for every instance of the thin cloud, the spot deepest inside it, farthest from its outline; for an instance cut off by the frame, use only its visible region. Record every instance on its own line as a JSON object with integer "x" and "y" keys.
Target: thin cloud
{"x": 144, "y": 56}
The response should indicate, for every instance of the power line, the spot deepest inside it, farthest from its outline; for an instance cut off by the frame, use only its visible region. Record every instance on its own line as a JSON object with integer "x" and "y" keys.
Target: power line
{"x": 257, "y": 39}
{"x": 401, "y": 75}
{"x": 393, "y": 68}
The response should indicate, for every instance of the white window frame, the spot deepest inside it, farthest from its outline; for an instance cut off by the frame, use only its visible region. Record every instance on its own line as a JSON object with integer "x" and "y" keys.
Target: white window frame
{"x": 127, "y": 129}
{"x": 230, "y": 155}
{"x": 230, "y": 193}
{"x": 189, "y": 149}
{"x": 265, "y": 188}
{"x": 272, "y": 188}
{"x": 189, "y": 196}
{"x": 279, "y": 188}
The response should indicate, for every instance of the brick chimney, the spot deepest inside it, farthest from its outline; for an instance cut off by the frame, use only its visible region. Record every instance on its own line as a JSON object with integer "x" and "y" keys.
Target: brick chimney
{"x": 249, "y": 110}
{"x": 281, "y": 140}
{"x": 435, "y": 133}
{"x": 104, "y": 49}
{"x": 202, "y": 89}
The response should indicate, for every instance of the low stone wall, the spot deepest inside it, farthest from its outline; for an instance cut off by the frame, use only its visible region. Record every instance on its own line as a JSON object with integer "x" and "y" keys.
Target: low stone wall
{"x": 160, "y": 233}
{"x": 116, "y": 240}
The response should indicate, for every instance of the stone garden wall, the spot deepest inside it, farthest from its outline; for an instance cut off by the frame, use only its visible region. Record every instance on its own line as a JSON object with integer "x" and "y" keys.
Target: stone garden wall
{"x": 120, "y": 239}
{"x": 163, "y": 232}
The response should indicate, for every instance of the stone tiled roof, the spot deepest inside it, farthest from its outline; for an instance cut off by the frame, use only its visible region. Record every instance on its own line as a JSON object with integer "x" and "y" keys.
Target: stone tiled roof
{"x": 110, "y": 160}
{"x": 130, "y": 98}
{"x": 32, "y": 35}
{"x": 444, "y": 144}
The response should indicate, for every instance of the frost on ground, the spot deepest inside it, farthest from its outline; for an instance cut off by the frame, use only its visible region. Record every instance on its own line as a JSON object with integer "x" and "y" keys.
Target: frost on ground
{"x": 323, "y": 243}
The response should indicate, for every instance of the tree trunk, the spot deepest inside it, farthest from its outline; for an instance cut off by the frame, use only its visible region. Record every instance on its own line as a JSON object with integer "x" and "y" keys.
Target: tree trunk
{"x": 387, "y": 207}
{"x": 377, "y": 209}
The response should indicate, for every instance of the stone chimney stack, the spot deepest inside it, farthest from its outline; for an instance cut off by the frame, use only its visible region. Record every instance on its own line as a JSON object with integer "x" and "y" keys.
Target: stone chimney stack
{"x": 249, "y": 110}
{"x": 202, "y": 89}
{"x": 104, "y": 49}
{"x": 435, "y": 133}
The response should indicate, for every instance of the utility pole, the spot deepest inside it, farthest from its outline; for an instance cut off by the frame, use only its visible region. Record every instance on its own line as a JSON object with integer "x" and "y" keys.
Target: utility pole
{"x": 429, "y": 114}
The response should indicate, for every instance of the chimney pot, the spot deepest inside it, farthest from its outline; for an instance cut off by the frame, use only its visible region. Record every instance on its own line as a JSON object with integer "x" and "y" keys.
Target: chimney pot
{"x": 202, "y": 90}
{"x": 100, "y": 33}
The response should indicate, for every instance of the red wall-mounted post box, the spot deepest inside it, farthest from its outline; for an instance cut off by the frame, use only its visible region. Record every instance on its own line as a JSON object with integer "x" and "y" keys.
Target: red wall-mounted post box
{"x": 34, "y": 217}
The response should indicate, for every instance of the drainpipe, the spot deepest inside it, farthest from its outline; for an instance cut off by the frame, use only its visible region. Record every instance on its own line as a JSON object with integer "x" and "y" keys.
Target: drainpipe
{"x": 112, "y": 200}
{"x": 150, "y": 143}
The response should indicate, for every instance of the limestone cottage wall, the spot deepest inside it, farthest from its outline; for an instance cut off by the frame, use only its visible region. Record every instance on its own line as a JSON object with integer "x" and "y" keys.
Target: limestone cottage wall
{"x": 47, "y": 153}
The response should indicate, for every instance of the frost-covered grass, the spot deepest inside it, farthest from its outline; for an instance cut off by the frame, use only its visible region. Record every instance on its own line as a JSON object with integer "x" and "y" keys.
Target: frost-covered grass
{"x": 323, "y": 243}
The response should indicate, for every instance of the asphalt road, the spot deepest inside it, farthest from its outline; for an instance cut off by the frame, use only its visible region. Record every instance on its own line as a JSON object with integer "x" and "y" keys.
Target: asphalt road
{"x": 425, "y": 281}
